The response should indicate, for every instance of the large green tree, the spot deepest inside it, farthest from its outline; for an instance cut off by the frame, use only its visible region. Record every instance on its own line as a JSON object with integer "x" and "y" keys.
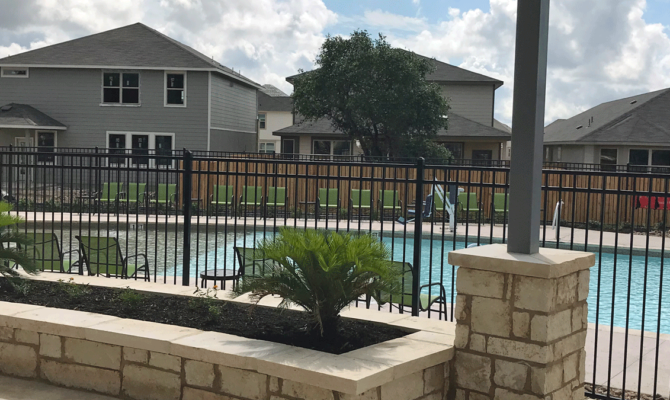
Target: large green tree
{"x": 374, "y": 93}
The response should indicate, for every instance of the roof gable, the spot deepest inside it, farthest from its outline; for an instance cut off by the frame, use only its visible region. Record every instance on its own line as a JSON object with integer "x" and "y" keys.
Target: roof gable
{"x": 24, "y": 116}
{"x": 133, "y": 46}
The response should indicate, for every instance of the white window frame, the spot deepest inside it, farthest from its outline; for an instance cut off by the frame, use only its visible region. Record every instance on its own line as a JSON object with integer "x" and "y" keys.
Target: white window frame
{"x": 265, "y": 120}
{"x": 3, "y": 69}
{"x": 332, "y": 147}
{"x": 152, "y": 148}
{"x": 165, "y": 88}
{"x": 102, "y": 89}
{"x": 37, "y": 146}
{"x": 264, "y": 151}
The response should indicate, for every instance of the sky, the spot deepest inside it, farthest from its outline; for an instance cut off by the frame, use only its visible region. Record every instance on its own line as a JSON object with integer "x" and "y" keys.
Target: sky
{"x": 599, "y": 50}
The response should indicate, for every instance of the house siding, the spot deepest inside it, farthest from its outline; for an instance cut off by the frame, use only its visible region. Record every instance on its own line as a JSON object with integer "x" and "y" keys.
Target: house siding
{"x": 274, "y": 120}
{"x": 73, "y": 97}
{"x": 474, "y": 102}
{"x": 233, "y": 107}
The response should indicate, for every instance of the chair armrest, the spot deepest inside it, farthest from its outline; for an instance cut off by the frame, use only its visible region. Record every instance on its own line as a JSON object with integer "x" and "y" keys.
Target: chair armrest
{"x": 121, "y": 195}
{"x": 146, "y": 261}
{"x": 73, "y": 251}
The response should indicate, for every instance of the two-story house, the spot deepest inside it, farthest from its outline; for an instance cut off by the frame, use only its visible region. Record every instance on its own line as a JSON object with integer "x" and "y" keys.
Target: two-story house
{"x": 127, "y": 88}
{"x": 473, "y": 132}
{"x": 275, "y": 112}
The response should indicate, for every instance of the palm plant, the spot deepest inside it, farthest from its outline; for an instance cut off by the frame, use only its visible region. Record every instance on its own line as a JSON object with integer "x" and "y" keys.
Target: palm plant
{"x": 12, "y": 255}
{"x": 322, "y": 272}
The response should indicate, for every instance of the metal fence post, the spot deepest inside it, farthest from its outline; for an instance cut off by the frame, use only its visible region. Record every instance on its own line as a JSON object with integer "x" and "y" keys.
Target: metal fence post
{"x": 187, "y": 183}
{"x": 10, "y": 192}
{"x": 418, "y": 225}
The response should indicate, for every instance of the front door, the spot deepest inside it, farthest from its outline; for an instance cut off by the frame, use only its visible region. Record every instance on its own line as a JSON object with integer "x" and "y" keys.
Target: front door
{"x": 288, "y": 146}
{"x": 24, "y": 159}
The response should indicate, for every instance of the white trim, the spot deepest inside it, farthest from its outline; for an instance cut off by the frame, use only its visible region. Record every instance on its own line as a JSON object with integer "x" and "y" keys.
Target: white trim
{"x": 231, "y": 130}
{"x": 152, "y": 145}
{"x": 37, "y": 146}
{"x": 209, "y": 110}
{"x": 165, "y": 89}
{"x": 265, "y": 120}
{"x": 121, "y": 88}
{"x": 44, "y": 128}
{"x": 2, "y": 72}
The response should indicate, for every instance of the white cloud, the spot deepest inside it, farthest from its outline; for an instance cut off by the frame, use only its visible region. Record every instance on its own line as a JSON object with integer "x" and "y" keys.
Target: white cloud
{"x": 389, "y": 21}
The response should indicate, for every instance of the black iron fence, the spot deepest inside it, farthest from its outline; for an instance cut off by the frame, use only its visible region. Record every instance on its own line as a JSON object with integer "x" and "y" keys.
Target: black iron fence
{"x": 194, "y": 218}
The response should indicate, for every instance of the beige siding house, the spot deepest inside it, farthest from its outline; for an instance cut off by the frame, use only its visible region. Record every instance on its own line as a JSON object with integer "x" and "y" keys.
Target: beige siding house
{"x": 275, "y": 112}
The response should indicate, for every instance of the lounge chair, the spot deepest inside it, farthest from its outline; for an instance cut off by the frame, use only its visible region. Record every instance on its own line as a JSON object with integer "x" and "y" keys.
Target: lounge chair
{"x": 427, "y": 211}
{"x": 440, "y": 205}
{"x": 46, "y": 252}
{"x": 166, "y": 195}
{"x": 110, "y": 194}
{"x": 136, "y": 195}
{"x": 329, "y": 198}
{"x": 276, "y": 199}
{"x": 103, "y": 256}
{"x": 467, "y": 203}
{"x": 426, "y": 301}
{"x": 222, "y": 196}
{"x": 252, "y": 196}
{"x": 389, "y": 200}
{"x": 500, "y": 205}
{"x": 360, "y": 202}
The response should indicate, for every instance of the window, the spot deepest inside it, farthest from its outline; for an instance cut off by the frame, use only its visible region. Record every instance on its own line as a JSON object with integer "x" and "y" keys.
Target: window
{"x": 142, "y": 146}
{"x": 456, "y": 150}
{"x": 15, "y": 72}
{"x": 46, "y": 143}
{"x": 268, "y": 148}
{"x": 164, "y": 148}
{"x": 120, "y": 88}
{"x": 482, "y": 157}
{"x": 261, "y": 121}
{"x": 332, "y": 147}
{"x": 175, "y": 89}
{"x": 638, "y": 157}
{"x": 117, "y": 145}
{"x": 608, "y": 159}
{"x": 660, "y": 157}
{"x": 288, "y": 146}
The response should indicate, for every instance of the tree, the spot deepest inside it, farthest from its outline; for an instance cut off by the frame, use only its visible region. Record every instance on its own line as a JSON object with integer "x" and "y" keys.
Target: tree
{"x": 322, "y": 272}
{"x": 372, "y": 92}
{"x": 11, "y": 255}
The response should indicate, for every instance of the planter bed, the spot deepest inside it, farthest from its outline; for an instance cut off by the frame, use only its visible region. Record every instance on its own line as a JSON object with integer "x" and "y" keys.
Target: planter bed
{"x": 204, "y": 313}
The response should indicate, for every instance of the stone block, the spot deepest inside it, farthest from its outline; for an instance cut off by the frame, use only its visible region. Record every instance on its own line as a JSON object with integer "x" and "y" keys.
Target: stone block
{"x": 570, "y": 369}
{"x": 144, "y": 383}
{"x": 18, "y": 360}
{"x": 578, "y": 393}
{"x": 491, "y": 316}
{"x": 93, "y": 353}
{"x": 585, "y": 316}
{"x": 409, "y": 387}
{"x": 569, "y": 345}
{"x": 199, "y": 373}
{"x": 460, "y": 310}
{"x": 478, "y": 343}
{"x": 504, "y": 394}
{"x": 521, "y": 324}
{"x": 27, "y": 337}
{"x": 197, "y": 394}
{"x": 577, "y": 318}
{"x": 519, "y": 350}
{"x": 136, "y": 355}
{"x": 544, "y": 380}
{"x": 584, "y": 281}
{"x": 480, "y": 283}
{"x": 462, "y": 334}
{"x": 242, "y": 383}
{"x": 460, "y": 394}
{"x": 6, "y": 333}
{"x": 81, "y": 377}
{"x": 50, "y": 346}
{"x": 582, "y": 366}
{"x": 564, "y": 393}
{"x": 472, "y": 371}
{"x": 535, "y": 294}
{"x": 478, "y": 396}
{"x": 433, "y": 379}
{"x": 274, "y": 384}
{"x": 305, "y": 391}
{"x": 545, "y": 328}
{"x": 510, "y": 375}
{"x": 567, "y": 290}
{"x": 165, "y": 361}
{"x": 372, "y": 394}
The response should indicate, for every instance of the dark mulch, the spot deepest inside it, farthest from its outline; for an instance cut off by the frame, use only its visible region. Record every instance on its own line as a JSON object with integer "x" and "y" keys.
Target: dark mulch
{"x": 263, "y": 323}
{"x": 618, "y": 393}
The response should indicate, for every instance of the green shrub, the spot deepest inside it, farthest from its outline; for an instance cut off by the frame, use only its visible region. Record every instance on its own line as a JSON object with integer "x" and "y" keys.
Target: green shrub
{"x": 130, "y": 298}
{"x": 322, "y": 272}
{"x": 9, "y": 234}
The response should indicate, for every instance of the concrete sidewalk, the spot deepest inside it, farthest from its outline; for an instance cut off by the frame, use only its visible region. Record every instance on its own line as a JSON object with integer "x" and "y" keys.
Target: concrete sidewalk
{"x": 21, "y": 389}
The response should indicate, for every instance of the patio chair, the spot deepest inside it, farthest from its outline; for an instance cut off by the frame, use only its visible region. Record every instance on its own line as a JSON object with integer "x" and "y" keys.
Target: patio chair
{"x": 467, "y": 203}
{"x": 389, "y": 200}
{"x": 426, "y": 212}
{"x": 360, "y": 202}
{"x": 136, "y": 196}
{"x": 45, "y": 250}
{"x": 276, "y": 199}
{"x": 500, "y": 205}
{"x": 249, "y": 261}
{"x": 440, "y": 205}
{"x": 222, "y": 196}
{"x": 426, "y": 301}
{"x": 103, "y": 256}
{"x": 252, "y": 196}
{"x": 329, "y": 198}
{"x": 166, "y": 196}
{"x": 110, "y": 194}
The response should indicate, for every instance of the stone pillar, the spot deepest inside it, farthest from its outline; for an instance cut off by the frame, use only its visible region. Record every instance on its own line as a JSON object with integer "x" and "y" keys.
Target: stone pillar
{"x": 521, "y": 324}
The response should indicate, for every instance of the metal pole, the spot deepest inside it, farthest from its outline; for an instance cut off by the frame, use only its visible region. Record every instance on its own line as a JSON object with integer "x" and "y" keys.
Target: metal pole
{"x": 530, "y": 78}
{"x": 186, "y": 201}
{"x": 418, "y": 224}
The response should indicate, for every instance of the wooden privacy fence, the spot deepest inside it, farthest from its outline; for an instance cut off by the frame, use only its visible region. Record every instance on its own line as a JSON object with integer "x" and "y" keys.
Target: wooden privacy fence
{"x": 586, "y": 196}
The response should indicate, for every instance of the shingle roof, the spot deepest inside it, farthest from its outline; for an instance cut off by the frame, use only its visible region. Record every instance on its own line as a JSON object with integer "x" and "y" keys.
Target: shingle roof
{"x": 269, "y": 103}
{"x": 272, "y": 91}
{"x": 445, "y": 73}
{"x": 638, "y": 119}
{"x": 459, "y": 127}
{"x": 24, "y": 116}
{"x": 132, "y": 46}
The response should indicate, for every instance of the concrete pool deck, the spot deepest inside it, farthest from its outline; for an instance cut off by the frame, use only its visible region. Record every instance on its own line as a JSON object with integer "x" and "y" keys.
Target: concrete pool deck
{"x": 577, "y": 238}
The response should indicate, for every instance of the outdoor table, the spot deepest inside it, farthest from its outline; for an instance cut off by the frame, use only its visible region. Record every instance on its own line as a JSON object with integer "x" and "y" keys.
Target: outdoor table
{"x": 89, "y": 198}
{"x": 218, "y": 275}
{"x": 306, "y": 205}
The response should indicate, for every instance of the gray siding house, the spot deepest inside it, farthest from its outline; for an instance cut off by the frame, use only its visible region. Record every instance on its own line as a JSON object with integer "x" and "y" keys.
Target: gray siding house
{"x": 127, "y": 88}
{"x": 473, "y": 132}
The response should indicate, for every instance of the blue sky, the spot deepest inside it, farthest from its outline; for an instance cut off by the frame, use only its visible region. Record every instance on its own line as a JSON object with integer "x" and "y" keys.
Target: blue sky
{"x": 599, "y": 50}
